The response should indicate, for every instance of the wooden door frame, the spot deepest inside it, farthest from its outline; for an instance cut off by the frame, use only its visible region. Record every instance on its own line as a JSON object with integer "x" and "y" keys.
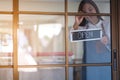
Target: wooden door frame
{"x": 118, "y": 20}
{"x": 115, "y": 38}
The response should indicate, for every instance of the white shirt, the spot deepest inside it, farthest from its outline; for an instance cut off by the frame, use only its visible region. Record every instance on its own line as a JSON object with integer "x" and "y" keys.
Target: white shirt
{"x": 106, "y": 26}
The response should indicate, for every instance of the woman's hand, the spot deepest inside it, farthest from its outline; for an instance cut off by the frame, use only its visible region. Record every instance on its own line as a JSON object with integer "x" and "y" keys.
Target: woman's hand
{"x": 104, "y": 40}
{"x": 78, "y": 20}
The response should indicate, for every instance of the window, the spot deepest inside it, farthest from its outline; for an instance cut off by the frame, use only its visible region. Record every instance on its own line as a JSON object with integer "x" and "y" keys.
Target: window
{"x": 35, "y": 41}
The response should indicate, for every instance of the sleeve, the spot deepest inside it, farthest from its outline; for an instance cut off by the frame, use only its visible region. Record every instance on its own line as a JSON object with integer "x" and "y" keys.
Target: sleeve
{"x": 107, "y": 30}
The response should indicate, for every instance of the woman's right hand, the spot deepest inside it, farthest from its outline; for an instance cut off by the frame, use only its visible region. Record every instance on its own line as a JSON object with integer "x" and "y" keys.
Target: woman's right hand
{"x": 78, "y": 20}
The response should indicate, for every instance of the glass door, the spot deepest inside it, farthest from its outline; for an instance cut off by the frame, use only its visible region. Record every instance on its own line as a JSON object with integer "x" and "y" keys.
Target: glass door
{"x": 90, "y": 40}
{"x": 59, "y": 40}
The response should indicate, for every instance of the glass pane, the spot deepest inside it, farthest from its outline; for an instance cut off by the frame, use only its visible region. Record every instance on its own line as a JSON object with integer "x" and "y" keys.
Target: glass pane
{"x": 6, "y": 74}
{"x": 76, "y": 48}
{"x": 46, "y": 73}
{"x": 42, "y": 5}
{"x": 41, "y": 39}
{"x": 90, "y": 43}
{"x": 6, "y": 42}
{"x": 103, "y": 5}
{"x": 6, "y": 5}
{"x": 90, "y": 73}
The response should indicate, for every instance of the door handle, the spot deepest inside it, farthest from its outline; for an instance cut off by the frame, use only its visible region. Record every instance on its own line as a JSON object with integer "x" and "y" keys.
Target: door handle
{"x": 115, "y": 59}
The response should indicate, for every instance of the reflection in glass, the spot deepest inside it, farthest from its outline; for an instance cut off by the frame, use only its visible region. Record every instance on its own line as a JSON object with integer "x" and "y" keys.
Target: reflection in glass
{"x": 42, "y": 5}
{"x": 6, "y": 41}
{"x": 46, "y": 73}
{"x": 41, "y": 40}
{"x": 6, "y": 5}
{"x": 6, "y": 74}
{"x": 90, "y": 73}
{"x": 75, "y": 47}
{"x": 75, "y": 73}
{"x": 91, "y": 51}
{"x": 103, "y": 5}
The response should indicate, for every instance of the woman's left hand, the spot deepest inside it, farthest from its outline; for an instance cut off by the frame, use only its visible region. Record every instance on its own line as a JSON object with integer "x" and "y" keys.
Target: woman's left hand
{"x": 104, "y": 40}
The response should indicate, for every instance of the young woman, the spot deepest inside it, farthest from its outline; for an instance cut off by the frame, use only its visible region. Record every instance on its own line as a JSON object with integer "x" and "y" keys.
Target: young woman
{"x": 89, "y": 22}
{"x": 96, "y": 51}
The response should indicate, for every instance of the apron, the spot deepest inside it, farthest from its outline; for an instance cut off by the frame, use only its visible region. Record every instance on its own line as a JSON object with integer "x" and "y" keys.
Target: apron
{"x": 96, "y": 52}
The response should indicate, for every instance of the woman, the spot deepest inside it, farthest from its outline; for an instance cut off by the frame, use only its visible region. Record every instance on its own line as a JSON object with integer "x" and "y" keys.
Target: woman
{"x": 96, "y": 51}
{"x": 88, "y": 6}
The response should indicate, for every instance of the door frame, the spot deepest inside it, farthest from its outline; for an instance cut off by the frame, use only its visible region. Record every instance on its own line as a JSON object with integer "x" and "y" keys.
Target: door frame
{"x": 115, "y": 38}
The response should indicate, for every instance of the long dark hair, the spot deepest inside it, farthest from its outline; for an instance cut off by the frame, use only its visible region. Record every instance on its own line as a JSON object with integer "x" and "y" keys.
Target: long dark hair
{"x": 83, "y": 2}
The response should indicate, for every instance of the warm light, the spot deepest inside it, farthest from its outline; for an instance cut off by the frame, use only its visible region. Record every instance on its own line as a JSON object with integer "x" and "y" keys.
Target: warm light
{"x": 49, "y": 30}
{"x": 35, "y": 27}
{"x": 24, "y": 49}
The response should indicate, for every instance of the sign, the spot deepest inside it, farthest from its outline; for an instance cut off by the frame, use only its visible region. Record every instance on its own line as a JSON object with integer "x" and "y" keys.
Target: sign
{"x": 85, "y": 35}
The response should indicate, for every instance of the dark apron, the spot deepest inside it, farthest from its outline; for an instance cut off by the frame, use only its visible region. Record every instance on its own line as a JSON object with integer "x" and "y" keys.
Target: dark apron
{"x": 96, "y": 52}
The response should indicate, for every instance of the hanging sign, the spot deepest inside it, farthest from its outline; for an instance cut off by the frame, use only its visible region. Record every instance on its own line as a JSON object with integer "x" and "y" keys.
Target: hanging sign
{"x": 85, "y": 35}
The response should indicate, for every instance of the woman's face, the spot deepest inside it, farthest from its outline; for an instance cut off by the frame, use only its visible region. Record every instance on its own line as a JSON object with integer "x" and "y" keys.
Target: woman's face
{"x": 88, "y": 8}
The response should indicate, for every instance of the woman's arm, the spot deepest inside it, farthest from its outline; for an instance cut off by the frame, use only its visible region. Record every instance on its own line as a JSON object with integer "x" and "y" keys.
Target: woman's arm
{"x": 106, "y": 39}
{"x": 78, "y": 20}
